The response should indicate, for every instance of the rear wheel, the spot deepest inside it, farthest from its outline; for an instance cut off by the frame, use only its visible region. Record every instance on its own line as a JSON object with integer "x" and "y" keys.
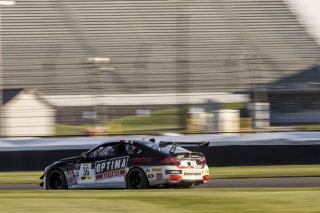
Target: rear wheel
{"x": 137, "y": 179}
{"x": 56, "y": 180}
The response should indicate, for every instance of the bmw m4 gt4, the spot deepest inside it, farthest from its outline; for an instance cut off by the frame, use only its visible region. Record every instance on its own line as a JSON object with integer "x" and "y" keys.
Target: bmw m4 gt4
{"x": 132, "y": 164}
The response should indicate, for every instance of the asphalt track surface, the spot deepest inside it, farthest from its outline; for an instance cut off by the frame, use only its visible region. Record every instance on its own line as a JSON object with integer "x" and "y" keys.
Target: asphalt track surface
{"x": 292, "y": 182}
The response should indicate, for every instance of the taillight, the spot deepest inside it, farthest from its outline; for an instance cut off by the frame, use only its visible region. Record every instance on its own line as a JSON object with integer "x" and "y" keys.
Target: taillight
{"x": 202, "y": 160}
{"x": 206, "y": 178}
{"x": 169, "y": 161}
{"x": 175, "y": 178}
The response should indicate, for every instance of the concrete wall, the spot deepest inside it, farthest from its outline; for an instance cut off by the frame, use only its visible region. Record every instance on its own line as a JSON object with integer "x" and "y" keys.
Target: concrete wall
{"x": 311, "y": 117}
{"x": 216, "y": 156}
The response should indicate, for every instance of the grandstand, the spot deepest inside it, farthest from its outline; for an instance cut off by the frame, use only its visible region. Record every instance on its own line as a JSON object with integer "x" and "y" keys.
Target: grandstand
{"x": 159, "y": 46}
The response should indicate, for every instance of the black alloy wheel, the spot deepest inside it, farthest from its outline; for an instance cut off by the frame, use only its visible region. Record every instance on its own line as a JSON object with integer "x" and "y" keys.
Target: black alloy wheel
{"x": 56, "y": 180}
{"x": 137, "y": 179}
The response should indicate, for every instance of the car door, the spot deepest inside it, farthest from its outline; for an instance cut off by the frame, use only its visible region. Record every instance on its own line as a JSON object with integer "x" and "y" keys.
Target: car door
{"x": 87, "y": 173}
{"x": 104, "y": 167}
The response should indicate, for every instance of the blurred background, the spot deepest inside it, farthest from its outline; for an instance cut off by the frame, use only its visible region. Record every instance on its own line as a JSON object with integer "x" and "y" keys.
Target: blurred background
{"x": 102, "y": 67}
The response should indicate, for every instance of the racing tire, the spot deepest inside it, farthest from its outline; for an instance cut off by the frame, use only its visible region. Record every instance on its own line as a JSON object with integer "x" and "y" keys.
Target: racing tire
{"x": 56, "y": 180}
{"x": 137, "y": 179}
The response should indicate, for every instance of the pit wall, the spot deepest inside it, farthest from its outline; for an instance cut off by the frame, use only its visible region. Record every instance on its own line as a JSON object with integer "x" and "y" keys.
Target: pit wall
{"x": 237, "y": 155}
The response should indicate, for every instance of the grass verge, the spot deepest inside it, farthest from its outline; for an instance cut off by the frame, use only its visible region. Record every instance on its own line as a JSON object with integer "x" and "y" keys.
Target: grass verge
{"x": 201, "y": 200}
{"x": 265, "y": 171}
{"x": 157, "y": 122}
{"x": 215, "y": 172}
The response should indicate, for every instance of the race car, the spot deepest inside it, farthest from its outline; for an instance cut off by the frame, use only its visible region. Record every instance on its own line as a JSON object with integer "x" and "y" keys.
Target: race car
{"x": 132, "y": 164}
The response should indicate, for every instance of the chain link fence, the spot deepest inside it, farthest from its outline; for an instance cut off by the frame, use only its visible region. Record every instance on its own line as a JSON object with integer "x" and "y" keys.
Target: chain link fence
{"x": 136, "y": 67}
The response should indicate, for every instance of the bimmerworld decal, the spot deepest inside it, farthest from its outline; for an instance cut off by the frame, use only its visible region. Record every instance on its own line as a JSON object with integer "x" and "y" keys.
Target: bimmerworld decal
{"x": 111, "y": 167}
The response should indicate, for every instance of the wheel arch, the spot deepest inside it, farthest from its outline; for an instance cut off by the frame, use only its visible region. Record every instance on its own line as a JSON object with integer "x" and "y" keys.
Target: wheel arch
{"x": 136, "y": 167}
{"x": 52, "y": 169}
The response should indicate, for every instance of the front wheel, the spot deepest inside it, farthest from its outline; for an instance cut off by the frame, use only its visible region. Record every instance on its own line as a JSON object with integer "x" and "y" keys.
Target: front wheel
{"x": 137, "y": 179}
{"x": 56, "y": 180}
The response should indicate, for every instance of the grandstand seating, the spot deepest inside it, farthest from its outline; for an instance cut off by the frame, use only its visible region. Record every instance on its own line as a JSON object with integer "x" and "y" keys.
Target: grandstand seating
{"x": 154, "y": 46}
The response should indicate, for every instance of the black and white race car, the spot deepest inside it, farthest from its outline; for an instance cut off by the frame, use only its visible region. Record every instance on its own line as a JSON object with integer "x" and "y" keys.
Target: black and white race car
{"x": 132, "y": 164}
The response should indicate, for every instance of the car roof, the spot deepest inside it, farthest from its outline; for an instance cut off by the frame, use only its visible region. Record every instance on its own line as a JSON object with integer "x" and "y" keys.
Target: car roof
{"x": 147, "y": 143}
{"x": 123, "y": 141}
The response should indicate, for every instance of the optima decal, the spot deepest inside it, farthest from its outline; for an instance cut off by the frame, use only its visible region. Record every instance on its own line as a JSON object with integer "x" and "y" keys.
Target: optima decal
{"x": 110, "y": 168}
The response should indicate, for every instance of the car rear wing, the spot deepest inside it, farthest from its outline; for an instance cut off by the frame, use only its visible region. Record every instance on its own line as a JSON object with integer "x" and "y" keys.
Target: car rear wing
{"x": 174, "y": 144}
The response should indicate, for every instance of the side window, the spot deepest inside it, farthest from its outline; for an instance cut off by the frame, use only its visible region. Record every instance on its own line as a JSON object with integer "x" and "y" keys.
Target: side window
{"x": 102, "y": 151}
{"x": 133, "y": 150}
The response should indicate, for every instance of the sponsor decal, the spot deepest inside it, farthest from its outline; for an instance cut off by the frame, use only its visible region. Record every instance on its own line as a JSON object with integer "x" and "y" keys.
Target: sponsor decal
{"x": 192, "y": 173}
{"x": 156, "y": 169}
{"x": 86, "y": 178}
{"x": 147, "y": 170}
{"x": 86, "y": 173}
{"x": 71, "y": 177}
{"x": 110, "y": 168}
{"x": 186, "y": 167}
{"x": 168, "y": 172}
{"x": 77, "y": 166}
{"x": 107, "y": 175}
{"x": 159, "y": 176}
{"x": 150, "y": 176}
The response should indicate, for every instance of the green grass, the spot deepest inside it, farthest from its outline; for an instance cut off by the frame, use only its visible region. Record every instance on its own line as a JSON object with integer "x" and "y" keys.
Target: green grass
{"x": 168, "y": 120}
{"x": 309, "y": 127}
{"x": 238, "y": 105}
{"x": 215, "y": 172}
{"x": 20, "y": 177}
{"x": 265, "y": 171}
{"x": 193, "y": 200}
{"x": 71, "y": 130}
{"x": 157, "y": 122}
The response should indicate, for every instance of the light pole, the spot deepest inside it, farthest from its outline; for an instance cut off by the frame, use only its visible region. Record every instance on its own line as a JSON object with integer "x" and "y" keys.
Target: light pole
{"x": 182, "y": 60}
{"x": 2, "y": 3}
{"x": 95, "y": 63}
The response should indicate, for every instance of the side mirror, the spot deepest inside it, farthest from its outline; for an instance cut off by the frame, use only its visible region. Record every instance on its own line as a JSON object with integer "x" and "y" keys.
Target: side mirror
{"x": 84, "y": 155}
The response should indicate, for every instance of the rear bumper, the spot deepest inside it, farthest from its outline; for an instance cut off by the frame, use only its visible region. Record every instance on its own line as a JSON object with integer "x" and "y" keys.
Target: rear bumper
{"x": 171, "y": 175}
{"x": 182, "y": 182}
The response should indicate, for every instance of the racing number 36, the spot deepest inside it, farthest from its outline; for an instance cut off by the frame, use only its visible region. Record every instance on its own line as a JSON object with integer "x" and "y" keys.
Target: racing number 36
{"x": 85, "y": 171}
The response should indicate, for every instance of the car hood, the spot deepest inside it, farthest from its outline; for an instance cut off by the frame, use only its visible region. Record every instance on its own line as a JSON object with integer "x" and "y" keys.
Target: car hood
{"x": 61, "y": 162}
{"x": 64, "y": 160}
